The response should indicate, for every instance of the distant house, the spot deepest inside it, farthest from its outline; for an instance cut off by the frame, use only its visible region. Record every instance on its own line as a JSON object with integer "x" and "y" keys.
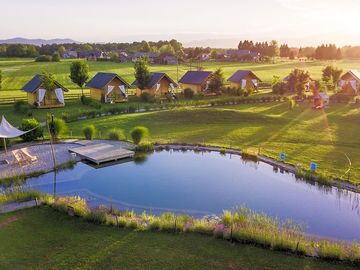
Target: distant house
{"x": 170, "y": 60}
{"x": 93, "y": 55}
{"x": 124, "y": 57}
{"x": 205, "y": 56}
{"x": 242, "y": 55}
{"x": 350, "y": 82}
{"x": 154, "y": 58}
{"x": 38, "y": 96}
{"x": 198, "y": 81}
{"x": 321, "y": 100}
{"x": 160, "y": 86}
{"x": 108, "y": 88}
{"x": 244, "y": 79}
{"x": 69, "y": 54}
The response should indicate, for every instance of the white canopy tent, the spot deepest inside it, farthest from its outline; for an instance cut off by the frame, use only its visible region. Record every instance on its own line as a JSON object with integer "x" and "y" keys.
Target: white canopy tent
{"x": 7, "y": 131}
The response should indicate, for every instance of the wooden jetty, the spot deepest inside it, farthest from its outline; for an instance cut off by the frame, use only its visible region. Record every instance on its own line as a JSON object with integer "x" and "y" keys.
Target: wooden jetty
{"x": 99, "y": 153}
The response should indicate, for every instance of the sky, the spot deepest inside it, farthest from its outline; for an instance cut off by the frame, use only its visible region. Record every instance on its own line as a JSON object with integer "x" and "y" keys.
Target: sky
{"x": 220, "y": 22}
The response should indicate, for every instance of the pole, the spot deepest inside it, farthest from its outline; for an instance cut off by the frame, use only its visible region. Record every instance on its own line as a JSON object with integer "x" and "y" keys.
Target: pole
{"x": 5, "y": 146}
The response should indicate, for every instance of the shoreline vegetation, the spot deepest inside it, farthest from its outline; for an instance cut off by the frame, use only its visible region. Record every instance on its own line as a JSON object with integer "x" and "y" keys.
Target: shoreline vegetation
{"x": 240, "y": 226}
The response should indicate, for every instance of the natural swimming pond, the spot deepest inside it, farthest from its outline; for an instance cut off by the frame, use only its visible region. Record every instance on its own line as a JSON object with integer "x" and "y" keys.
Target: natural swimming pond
{"x": 208, "y": 183}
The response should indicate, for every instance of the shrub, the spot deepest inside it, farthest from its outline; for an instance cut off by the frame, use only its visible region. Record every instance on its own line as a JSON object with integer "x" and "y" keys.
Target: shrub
{"x": 21, "y": 106}
{"x": 89, "y": 132}
{"x": 43, "y": 58}
{"x": 55, "y": 57}
{"x": 189, "y": 93}
{"x": 57, "y": 127}
{"x": 145, "y": 147}
{"x": 279, "y": 88}
{"x": 292, "y": 104}
{"x": 116, "y": 135}
{"x": 29, "y": 124}
{"x": 147, "y": 97}
{"x": 138, "y": 134}
{"x": 85, "y": 100}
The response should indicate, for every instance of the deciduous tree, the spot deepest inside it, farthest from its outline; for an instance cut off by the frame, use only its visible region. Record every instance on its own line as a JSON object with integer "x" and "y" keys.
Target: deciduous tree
{"x": 79, "y": 73}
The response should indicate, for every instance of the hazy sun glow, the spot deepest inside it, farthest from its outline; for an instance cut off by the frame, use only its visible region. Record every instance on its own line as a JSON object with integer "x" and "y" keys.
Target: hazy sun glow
{"x": 298, "y": 22}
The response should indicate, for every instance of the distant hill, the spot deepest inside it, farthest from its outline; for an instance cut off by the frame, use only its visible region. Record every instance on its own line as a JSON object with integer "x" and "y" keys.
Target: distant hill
{"x": 38, "y": 42}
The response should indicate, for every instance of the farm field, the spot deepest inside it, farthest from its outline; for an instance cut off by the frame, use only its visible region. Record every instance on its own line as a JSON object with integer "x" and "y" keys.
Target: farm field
{"x": 64, "y": 242}
{"x": 16, "y": 72}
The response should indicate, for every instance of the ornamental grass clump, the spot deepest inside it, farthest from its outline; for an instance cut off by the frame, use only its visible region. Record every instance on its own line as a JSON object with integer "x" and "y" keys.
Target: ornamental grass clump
{"x": 89, "y": 132}
{"x": 138, "y": 134}
{"x": 18, "y": 194}
{"x": 98, "y": 216}
{"x": 332, "y": 251}
{"x": 78, "y": 204}
{"x": 145, "y": 147}
{"x": 116, "y": 135}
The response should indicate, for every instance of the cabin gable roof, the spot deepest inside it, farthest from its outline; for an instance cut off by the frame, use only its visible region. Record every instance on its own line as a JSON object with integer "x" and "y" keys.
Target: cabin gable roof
{"x": 195, "y": 77}
{"x": 101, "y": 79}
{"x": 35, "y": 84}
{"x": 239, "y": 75}
{"x": 155, "y": 78}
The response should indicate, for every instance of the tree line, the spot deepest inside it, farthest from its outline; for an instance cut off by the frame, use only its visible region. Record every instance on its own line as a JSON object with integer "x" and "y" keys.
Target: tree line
{"x": 172, "y": 47}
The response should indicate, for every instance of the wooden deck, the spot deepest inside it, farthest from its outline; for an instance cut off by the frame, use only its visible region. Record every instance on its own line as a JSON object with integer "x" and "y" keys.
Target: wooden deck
{"x": 99, "y": 153}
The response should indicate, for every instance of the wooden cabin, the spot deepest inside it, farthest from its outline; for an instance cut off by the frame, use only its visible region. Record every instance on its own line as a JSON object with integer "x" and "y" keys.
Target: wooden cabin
{"x": 198, "y": 81}
{"x": 160, "y": 86}
{"x": 41, "y": 98}
{"x": 244, "y": 79}
{"x": 350, "y": 82}
{"x": 108, "y": 88}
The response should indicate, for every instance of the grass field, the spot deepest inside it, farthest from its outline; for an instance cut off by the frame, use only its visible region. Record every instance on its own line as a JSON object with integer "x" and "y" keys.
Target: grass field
{"x": 16, "y": 72}
{"x": 303, "y": 134}
{"x": 41, "y": 238}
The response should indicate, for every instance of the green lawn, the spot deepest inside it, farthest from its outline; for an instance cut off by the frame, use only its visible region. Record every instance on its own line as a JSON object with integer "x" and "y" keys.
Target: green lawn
{"x": 41, "y": 238}
{"x": 16, "y": 72}
{"x": 304, "y": 134}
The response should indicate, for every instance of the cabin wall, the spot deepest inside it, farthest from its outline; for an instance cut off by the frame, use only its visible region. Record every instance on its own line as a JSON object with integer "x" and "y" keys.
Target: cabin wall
{"x": 161, "y": 93}
{"x": 116, "y": 94}
{"x": 50, "y": 100}
{"x": 197, "y": 88}
{"x": 249, "y": 82}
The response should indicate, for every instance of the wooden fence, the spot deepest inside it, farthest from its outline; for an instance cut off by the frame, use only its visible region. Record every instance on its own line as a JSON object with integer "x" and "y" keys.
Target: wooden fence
{"x": 13, "y": 99}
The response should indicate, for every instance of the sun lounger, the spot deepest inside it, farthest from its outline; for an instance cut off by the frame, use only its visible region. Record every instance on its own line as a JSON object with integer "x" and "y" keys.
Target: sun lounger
{"x": 23, "y": 157}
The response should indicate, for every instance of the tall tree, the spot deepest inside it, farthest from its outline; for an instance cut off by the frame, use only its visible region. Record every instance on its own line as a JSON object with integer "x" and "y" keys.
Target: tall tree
{"x": 297, "y": 81}
{"x": 79, "y": 74}
{"x": 142, "y": 72}
{"x": 48, "y": 81}
{"x": 217, "y": 80}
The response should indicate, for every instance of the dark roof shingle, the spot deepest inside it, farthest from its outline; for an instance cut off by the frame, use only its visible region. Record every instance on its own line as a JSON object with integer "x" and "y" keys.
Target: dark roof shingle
{"x": 101, "y": 79}
{"x": 35, "y": 83}
{"x": 195, "y": 77}
{"x": 155, "y": 78}
{"x": 240, "y": 74}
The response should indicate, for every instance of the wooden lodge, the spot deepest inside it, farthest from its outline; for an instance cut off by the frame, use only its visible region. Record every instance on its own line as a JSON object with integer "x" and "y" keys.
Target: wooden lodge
{"x": 244, "y": 79}
{"x": 108, "y": 88}
{"x": 350, "y": 82}
{"x": 40, "y": 97}
{"x": 160, "y": 85}
{"x": 198, "y": 81}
